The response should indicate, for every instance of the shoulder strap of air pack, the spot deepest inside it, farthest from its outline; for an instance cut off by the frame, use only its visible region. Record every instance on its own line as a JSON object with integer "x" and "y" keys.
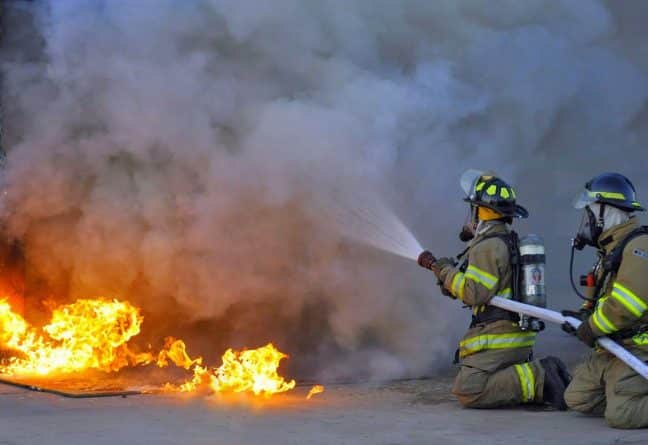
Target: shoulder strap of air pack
{"x": 612, "y": 260}
{"x": 512, "y": 241}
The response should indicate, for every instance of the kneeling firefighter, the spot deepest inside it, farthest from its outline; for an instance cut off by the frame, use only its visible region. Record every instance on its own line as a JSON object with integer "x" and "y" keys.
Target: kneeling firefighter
{"x": 495, "y": 355}
{"x": 616, "y": 303}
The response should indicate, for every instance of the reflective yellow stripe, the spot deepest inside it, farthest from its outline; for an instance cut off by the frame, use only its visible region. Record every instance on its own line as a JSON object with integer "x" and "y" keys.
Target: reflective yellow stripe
{"x": 641, "y": 339}
{"x": 487, "y": 280}
{"x": 504, "y": 193}
{"x": 506, "y": 293}
{"x": 607, "y": 195}
{"x": 491, "y": 190}
{"x": 629, "y": 299}
{"x": 458, "y": 285}
{"x": 602, "y": 322}
{"x": 477, "y": 309}
{"x": 527, "y": 381}
{"x": 496, "y": 341}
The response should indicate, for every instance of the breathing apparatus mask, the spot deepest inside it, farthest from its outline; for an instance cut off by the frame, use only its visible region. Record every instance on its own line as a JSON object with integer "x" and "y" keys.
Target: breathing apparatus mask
{"x": 597, "y": 218}
{"x": 470, "y": 227}
{"x": 590, "y": 228}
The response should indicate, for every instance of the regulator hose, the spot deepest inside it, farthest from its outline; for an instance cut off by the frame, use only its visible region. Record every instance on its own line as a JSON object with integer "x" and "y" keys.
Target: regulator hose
{"x": 574, "y": 247}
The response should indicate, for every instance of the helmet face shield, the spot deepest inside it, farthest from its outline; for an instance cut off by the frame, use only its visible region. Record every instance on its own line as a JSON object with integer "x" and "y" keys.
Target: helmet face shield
{"x": 583, "y": 199}
{"x": 469, "y": 180}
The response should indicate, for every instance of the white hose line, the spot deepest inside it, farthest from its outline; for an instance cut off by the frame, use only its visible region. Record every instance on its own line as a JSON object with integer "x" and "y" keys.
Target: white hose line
{"x": 556, "y": 317}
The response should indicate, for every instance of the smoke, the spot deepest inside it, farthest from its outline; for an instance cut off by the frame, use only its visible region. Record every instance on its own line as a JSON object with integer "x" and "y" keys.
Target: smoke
{"x": 200, "y": 158}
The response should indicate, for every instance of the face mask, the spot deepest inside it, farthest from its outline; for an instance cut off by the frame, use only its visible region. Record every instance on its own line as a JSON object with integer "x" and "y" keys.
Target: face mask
{"x": 590, "y": 228}
{"x": 468, "y": 230}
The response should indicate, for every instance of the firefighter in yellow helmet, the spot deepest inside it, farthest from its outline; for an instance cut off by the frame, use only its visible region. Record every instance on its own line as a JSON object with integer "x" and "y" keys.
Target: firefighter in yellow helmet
{"x": 495, "y": 355}
{"x": 616, "y": 303}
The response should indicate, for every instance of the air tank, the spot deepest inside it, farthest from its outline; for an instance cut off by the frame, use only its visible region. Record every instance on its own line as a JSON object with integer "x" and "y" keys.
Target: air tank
{"x": 532, "y": 258}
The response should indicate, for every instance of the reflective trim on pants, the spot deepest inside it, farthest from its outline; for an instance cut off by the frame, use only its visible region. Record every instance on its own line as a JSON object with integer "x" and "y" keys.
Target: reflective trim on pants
{"x": 527, "y": 381}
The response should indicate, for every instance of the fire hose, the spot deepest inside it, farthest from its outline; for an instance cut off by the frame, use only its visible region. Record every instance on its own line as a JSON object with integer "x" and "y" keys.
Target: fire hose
{"x": 556, "y": 317}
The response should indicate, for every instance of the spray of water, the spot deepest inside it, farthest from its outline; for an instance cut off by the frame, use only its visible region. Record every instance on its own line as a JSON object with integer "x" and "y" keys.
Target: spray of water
{"x": 366, "y": 219}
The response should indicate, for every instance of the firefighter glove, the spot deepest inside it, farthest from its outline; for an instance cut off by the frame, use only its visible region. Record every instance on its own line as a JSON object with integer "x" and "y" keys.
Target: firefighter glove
{"x": 582, "y": 314}
{"x": 441, "y": 264}
{"x": 585, "y": 334}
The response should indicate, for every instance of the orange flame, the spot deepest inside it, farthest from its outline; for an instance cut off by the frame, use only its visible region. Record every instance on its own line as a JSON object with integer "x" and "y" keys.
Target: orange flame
{"x": 252, "y": 370}
{"x": 317, "y": 389}
{"x": 94, "y": 334}
{"x": 88, "y": 334}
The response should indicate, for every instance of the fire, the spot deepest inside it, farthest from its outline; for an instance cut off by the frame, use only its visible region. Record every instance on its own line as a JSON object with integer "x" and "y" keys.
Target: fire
{"x": 88, "y": 334}
{"x": 317, "y": 389}
{"x": 252, "y": 370}
{"x": 94, "y": 335}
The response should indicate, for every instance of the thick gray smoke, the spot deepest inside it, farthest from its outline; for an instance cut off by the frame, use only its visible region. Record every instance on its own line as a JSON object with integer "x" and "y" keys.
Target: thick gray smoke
{"x": 188, "y": 156}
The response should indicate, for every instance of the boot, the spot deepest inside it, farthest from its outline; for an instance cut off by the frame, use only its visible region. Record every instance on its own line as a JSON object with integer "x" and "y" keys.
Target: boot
{"x": 555, "y": 382}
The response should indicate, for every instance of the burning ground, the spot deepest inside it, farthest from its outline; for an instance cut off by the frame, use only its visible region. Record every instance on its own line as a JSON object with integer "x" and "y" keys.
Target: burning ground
{"x": 94, "y": 335}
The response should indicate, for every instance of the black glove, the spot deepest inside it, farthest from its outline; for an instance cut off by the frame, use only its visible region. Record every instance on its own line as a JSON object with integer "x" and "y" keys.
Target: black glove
{"x": 582, "y": 314}
{"x": 584, "y": 332}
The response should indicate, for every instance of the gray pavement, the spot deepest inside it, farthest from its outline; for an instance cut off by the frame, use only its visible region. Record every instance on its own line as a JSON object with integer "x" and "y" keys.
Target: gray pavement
{"x": 413, "y": 412}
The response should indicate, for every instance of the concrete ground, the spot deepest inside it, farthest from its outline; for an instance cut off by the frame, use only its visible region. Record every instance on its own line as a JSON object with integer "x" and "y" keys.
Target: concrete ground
{"x": 412, "y": 412}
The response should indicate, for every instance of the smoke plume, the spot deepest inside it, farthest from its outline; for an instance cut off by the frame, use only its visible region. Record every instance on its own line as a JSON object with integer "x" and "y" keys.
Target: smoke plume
{"x": 200, "y": 158}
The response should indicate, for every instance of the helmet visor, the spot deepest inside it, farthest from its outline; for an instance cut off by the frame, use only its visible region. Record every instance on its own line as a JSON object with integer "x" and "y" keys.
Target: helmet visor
{"x": 583, "y": 199}
{"x": 469, "y": 180}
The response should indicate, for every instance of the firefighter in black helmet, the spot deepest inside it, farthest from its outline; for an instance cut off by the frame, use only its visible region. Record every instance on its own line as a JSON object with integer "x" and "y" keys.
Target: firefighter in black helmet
{"x": 617, "y": 303}
{"x": 495, "y": 354}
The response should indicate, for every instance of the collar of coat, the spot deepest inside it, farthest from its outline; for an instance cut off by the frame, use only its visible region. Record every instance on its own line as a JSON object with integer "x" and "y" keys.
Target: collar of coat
{"x": 489, "y": 228}
{"x": 611, "y": 237}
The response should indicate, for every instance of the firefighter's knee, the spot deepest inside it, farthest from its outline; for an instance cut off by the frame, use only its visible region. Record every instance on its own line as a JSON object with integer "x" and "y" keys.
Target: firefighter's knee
{"x": 469, "y": 386}
{"x": 575, "y": 400}
{"x": 627, "y": 405}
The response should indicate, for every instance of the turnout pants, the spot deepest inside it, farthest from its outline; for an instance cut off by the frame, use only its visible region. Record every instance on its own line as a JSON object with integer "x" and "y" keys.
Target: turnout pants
{"x": 495, "y": 378}
{"x": 605, "y": 386}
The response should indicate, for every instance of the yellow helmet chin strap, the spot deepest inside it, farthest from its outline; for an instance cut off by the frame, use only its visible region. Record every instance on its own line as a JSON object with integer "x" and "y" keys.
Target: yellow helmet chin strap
{"x": 486, "y": 214}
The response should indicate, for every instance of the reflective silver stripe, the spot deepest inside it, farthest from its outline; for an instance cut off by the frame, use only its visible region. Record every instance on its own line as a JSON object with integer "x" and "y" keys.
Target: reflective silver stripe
{"x": 631, "y": 302}
{"x": 457, "y": 284}
{"x": 475, "y": 274}
{"x": 602, "y": 322}
{"x": 496, "y": 341}
{"x": 527, "y": 381}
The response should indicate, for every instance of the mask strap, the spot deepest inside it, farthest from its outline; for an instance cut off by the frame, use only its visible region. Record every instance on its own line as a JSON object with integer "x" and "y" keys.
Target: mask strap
{"x": 601, "y": 222}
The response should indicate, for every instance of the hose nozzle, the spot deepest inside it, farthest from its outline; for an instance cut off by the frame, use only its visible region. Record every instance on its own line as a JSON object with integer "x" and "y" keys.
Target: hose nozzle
{"x": 426, "y": 259}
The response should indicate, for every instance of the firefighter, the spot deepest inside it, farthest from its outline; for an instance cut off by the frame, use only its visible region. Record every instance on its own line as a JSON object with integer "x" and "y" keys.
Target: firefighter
{"x": 617, "y": 306}
{"x": 495, "y": 355}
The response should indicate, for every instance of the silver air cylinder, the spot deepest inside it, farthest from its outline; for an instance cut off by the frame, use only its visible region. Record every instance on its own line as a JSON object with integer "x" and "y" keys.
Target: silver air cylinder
{"x": 532, "y": 257}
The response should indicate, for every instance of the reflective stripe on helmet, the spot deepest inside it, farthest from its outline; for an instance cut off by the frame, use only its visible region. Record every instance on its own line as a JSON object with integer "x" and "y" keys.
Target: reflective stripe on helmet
{"x": 496, "y": 341}
{"x": 484, "y": 278}
{"x": 629, "y": 300}
{"x": 527, "y": 381}
{"x": 606, "y": 195}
